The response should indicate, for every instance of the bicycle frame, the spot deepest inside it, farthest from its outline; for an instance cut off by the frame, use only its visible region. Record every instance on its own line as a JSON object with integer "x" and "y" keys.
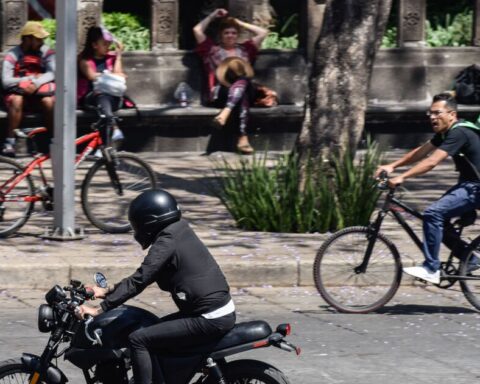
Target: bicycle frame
{"x": 394, "y": 206}
{"x": 94, "y": 140}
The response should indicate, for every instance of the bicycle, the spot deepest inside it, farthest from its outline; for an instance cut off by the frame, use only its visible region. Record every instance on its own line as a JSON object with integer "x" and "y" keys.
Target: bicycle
{"x": 358, "y": 269}
{"x": 114, "y": 176}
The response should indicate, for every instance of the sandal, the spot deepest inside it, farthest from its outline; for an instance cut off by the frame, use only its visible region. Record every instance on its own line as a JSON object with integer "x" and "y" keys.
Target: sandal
{"x": 245, "y": 149}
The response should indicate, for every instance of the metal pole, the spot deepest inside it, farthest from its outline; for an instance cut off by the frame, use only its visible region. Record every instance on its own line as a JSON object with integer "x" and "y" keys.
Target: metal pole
{"x": 63, "y": 147}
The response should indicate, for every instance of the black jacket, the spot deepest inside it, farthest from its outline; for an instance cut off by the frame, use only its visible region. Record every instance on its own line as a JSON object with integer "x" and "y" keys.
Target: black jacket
{"x": 181, "y": 264}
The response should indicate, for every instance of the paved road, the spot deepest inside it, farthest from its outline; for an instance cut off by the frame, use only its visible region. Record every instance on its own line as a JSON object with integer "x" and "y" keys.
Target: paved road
{"x": 425, "y": 335}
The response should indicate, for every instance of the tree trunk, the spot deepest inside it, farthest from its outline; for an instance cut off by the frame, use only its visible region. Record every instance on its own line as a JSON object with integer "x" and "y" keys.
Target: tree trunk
{"x": 351, "y": 34}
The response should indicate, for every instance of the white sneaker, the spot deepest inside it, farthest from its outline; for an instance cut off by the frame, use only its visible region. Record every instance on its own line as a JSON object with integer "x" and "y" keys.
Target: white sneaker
{"x": 98, "y": 154}
{"x": 423, "y": 274}
{"x": 117, "y": 135}
{"x": 8, "y": 150}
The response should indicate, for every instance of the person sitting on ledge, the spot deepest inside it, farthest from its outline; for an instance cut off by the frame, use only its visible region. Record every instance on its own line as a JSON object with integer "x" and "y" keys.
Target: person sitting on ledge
{"x": 228, "y": 94}
{"x": 28, "y": 75}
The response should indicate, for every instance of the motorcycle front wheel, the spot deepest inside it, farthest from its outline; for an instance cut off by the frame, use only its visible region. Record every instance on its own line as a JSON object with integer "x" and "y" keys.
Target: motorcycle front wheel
{"x": 250, "y": 371}
{"x": 13, "y": 371}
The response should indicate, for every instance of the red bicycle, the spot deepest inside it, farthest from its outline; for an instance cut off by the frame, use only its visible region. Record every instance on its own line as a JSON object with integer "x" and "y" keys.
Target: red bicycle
{"x": 114, "y": 176}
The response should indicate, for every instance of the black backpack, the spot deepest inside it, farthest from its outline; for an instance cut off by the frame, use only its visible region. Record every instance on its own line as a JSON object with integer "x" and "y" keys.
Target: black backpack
{"x": 467, "y": 85}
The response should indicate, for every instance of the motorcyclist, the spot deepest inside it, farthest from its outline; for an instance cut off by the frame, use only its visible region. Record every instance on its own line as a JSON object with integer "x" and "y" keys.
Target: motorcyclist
{"x": 179, "y": 263}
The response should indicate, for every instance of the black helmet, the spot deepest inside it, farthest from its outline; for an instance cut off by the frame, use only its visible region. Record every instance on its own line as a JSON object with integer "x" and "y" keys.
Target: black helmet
{"x": 150, "y": 212}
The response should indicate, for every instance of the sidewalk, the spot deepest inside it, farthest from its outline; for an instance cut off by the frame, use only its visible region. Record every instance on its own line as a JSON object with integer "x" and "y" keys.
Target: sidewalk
{"x": 247, "y": 258}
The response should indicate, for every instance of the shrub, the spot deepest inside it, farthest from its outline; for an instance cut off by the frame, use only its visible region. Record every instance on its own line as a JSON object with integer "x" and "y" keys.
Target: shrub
{"x": 283, "y": 37}
{"x": 356, "y": 191}
{"x": 128, "y": 29}
{"x": 264, "y": 196}
{"x": 452, "y": 31}
{"x": 124, "y": 26}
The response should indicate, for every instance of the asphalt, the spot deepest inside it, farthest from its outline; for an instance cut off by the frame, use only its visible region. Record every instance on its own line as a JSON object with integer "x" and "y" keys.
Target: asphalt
{"x": 249, "y": 259}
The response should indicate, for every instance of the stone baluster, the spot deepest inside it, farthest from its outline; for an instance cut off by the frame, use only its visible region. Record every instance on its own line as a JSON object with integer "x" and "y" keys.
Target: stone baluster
{"x": 411, "y": 23}
{"x": 164, "y": 24}
{"x": 476, "y": 24}
{"x": 13, "y": 15}
{"x": 89, "y": 15}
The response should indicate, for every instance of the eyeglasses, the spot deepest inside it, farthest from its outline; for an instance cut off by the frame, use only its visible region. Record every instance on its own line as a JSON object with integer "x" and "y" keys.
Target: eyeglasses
{"x": 436, "y": 113}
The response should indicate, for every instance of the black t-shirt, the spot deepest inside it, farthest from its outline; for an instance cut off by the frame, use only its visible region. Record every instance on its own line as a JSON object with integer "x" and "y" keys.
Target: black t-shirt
{"x": 461, "y": 142}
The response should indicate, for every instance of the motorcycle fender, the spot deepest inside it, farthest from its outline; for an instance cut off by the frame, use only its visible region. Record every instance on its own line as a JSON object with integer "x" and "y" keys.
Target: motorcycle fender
{"x": 54, "y": 375}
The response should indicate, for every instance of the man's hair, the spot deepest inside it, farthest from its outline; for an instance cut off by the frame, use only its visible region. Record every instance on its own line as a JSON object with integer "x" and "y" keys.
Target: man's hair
{"x": 228, "y": 22}
{"x": 448, "y": 98}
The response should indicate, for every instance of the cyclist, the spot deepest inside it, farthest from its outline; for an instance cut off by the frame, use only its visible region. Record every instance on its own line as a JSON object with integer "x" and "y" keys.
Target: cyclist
{"x": 460, "y": 140}
{"x": 179, "y": 263}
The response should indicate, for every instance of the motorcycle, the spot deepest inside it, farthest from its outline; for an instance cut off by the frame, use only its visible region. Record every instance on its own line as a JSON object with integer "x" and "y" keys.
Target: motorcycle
{"x": 99, "y": 347}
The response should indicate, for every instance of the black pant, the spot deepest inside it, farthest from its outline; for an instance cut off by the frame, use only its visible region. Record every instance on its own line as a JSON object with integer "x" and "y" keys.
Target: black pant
{"x": 106, "y": 105}
{"x": 175, "y": 331}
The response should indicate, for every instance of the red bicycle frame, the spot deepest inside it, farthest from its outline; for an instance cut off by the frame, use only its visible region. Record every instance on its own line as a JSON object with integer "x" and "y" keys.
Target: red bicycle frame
{"x": 94, "y": 140}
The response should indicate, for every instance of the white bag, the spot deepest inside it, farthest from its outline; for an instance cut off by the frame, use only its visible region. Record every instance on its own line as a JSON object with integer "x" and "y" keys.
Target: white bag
{"x": 110, "y": 84}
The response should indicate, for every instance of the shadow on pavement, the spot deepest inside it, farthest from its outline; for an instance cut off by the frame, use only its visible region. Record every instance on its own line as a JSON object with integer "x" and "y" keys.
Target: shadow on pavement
{"x": 398, "y": 309}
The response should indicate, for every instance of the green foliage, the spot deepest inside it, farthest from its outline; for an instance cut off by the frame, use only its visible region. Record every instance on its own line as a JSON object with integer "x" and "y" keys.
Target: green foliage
{"x": 124, "y": 26}
{"x": 275, "y": 41}
{"x": 50, "y": 26}
{"x": 446, "y": 31}
{"x": 453, "y": 31}
{"x": 389, "y": 39}
{"x": 356, "y": 191}
{"x": 283, "y": 36}
{"x": 128, "y": 29}
{"x": 266, "y": 197}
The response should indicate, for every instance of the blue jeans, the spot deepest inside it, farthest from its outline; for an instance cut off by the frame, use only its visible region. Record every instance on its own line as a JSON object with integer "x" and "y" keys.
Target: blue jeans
{"x": 463, "y": 197}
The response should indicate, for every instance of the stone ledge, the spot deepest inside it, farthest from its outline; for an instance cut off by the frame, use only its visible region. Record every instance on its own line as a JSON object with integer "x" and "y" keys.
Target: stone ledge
{"x": 154, "y": 110}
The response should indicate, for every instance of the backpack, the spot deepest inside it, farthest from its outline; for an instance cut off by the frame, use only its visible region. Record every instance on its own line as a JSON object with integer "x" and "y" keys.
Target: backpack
{"x": 467, "y": 85}
{"x": 476, "y": 128}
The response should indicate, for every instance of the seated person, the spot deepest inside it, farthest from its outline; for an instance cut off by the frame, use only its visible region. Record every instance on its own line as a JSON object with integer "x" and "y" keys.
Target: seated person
{"x": 93, "y": 60}
{"x": 28, "y": 73}
{"x": 236, "y": 95}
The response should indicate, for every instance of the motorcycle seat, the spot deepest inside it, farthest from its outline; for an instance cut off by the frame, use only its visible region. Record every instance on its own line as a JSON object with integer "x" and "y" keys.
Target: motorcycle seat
{"x": 243, "y": 333}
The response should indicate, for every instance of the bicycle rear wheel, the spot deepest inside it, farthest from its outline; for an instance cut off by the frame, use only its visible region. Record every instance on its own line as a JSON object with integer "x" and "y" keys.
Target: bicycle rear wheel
{"x": 345, "y": 289}
{"x": 15, "y": 209}
{"x": 101, "y": 202}
{"x": 470, "y": 268}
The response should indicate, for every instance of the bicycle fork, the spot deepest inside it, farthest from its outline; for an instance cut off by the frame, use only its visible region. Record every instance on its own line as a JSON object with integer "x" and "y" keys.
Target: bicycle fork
{"x": 373, "y": 229}
{"x": 372, "y": 235}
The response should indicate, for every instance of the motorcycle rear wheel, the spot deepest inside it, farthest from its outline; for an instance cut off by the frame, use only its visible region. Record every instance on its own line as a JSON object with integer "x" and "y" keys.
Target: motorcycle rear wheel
{"x": 250, "y": 372}
{"x": 13, "y": 371}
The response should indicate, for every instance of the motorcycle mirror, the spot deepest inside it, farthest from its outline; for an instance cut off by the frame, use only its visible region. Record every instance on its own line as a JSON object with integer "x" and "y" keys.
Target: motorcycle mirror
{"x": 100, "y": 279}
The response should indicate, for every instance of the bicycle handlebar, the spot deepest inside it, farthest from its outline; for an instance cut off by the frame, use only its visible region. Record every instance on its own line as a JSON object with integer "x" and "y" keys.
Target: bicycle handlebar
{"x": 383, "y": 181}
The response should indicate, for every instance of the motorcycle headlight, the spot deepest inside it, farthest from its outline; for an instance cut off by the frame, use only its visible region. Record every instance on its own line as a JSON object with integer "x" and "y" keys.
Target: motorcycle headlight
{"x": 46, "y": 318}
{"x": 55, "y": 295}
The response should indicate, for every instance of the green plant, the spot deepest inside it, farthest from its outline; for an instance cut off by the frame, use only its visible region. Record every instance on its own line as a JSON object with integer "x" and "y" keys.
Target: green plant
{"x": 283, "y": 36}
{"x": 454, "y": 31}
{"x": 355, "y": 188}
{"x": 450, "y": 30}
{"x": 50, "y": 26}
{"x": 124, "y": 26}
{"x": 389, "y": 39}
{"x": 265, "y": 196}
{"x": 128, "y": 29}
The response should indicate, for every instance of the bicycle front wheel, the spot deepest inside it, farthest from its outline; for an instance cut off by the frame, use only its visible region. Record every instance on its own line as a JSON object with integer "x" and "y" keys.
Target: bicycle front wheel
{"x": 470, "y": 269}
{"x": 16, "y": 204}
{"x": 347, "y": 289}
{"x": 102, "y": 203}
